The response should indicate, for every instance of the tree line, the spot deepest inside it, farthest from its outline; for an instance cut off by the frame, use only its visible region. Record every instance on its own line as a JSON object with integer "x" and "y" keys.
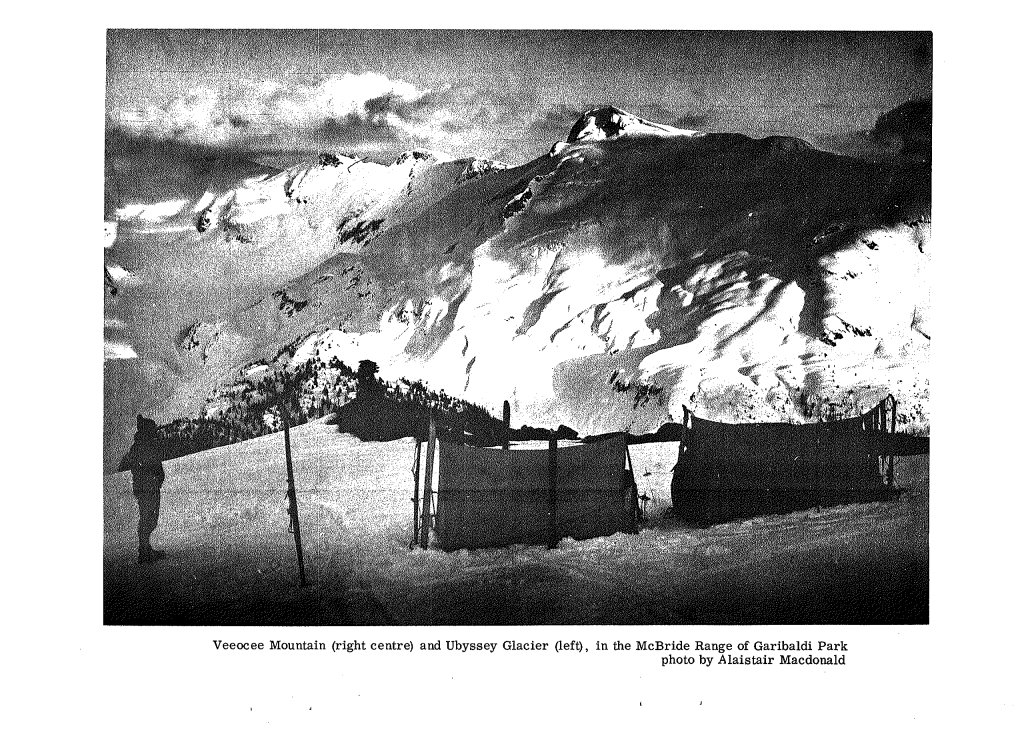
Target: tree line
{"x": 358, "y": 401}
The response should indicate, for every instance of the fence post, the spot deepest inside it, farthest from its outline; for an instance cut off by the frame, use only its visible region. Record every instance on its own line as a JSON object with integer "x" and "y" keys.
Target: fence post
{"x": 426, "y": 507}
{"x": 295, "y": 523}
{"x": 636, "y": 512}
{"x": 553, "y": 541}
{"x": 892, "y": 457}
{"x": 417, "y": 476}
{"x": 506, "y": 425}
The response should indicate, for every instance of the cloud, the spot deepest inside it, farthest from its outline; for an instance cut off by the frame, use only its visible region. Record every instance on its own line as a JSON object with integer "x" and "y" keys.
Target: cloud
{"x": 692, "y": 120}
{"x": 141, "y": 169}
{"x": 562, "y": 114}
{"x": 557, "y": 119}
{"x": 903, "y": 132}
{"x": 368, "y": 115}
{"x": 364, "y": 114}
{"x": 155, "y": 213}
{"x": 246, "y": 112}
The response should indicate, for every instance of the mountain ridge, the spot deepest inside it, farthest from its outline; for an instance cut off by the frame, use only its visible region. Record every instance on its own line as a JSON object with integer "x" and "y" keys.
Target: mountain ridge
{"x": 633, "y": 271}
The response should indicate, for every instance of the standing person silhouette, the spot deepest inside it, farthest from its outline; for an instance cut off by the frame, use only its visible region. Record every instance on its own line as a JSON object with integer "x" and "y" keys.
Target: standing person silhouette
{"x": 146, "y": 464}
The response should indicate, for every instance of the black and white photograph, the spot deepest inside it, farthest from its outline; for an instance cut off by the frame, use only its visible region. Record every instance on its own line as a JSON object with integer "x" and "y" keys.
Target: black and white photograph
{"x": 532, "y": 364}
{"x": 517, "y": 327}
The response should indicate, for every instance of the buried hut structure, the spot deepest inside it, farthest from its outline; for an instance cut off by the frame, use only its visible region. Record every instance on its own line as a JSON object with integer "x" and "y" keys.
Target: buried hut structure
{"x": 498, "y": 497}
{"x": 726, "y": 471}
{"x": 480, "y": 496}
{"x": 487, "y": 497}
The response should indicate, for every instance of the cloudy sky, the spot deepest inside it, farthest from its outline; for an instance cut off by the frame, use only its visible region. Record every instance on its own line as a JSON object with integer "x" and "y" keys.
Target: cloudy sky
{"x": 283, "y": 96}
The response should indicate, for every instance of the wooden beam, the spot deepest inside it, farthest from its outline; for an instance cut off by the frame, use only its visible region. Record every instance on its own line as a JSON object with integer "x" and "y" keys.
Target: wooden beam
{"x": 506, "y": 425}
{"x": 295, "y": 523}
{"x": 417, "y": 480}
{"x": 426, "y": 507}
{"x": 553, "y": 538}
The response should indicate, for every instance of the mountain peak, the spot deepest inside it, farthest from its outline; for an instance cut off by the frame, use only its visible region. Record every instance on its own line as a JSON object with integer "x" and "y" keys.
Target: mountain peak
{"x": 421, "y": 154}
{"x": 610, "y": 122}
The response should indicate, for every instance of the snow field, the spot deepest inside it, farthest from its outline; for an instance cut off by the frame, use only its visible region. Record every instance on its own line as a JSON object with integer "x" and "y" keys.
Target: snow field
{"x": 231, "y": 559}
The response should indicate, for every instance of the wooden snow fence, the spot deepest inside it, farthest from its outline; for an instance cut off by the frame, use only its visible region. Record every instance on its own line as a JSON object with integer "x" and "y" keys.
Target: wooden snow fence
{"x": 726, "y": 471}
{"x": 494, "y": 497}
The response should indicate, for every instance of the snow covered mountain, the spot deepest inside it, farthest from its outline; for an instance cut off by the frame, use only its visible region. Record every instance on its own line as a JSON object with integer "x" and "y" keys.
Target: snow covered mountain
{"x": 635, "y": 269}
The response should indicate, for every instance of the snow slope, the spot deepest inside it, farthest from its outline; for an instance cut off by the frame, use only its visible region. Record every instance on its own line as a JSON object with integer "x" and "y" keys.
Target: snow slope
{"x": 231, "y": 559}
{"x": 633, "y": 270}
